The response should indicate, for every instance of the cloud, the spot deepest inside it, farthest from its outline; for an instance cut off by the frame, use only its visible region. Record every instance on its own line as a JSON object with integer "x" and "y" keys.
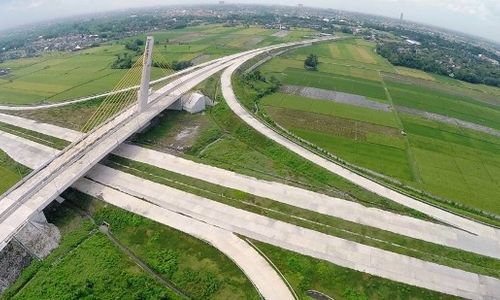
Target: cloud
{"x": 479, "y": 8}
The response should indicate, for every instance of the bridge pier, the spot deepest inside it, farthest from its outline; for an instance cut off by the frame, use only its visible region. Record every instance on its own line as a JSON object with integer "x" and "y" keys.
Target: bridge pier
{"x": 146, "y": 74}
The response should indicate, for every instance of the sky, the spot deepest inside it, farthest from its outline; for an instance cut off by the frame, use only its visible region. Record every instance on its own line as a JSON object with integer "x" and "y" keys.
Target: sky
{"x": 478, "y": 17}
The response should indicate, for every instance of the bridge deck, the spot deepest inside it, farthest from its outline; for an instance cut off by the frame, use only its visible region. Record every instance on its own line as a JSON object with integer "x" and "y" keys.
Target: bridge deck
{"x": 50, "y": 180}
{"x": 43, "y": 185}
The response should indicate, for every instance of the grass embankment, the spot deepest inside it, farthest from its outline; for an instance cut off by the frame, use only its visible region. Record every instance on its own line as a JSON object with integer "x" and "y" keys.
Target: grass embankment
{"x": 10, "y": 172}
{"x": 87, "y": 264}
{"x": 308, "y": 274}
{"x": 240, "y": 149}
{"x": 34, "y": 136}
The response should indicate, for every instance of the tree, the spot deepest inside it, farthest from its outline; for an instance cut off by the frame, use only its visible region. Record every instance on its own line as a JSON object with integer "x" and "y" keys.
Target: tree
{"x": 123, "y": 61}
{"x": 181, "y": 65}
{"x": 311, "y": 62}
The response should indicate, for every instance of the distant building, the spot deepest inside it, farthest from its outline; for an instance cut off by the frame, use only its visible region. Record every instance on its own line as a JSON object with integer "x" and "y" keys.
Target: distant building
{"x": 401, "y": 17}
{"x": 3, "y": 72}
{"x": 221, "y": 2}
{"x": 490, "y": 60}
{"x": 412, "y": 42}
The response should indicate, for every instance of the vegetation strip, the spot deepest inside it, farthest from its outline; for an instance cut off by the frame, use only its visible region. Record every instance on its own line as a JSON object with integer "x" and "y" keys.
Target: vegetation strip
{"x": 34, "y": 136}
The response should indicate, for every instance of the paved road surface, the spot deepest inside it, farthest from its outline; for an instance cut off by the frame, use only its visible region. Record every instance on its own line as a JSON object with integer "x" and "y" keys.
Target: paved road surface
{"x": 339, "y": 251}
{"x": 302, "y": 198}
{"x": 25, "y": 152}
{"x": 44, "y": 184}
{"x": 262, "y": 275}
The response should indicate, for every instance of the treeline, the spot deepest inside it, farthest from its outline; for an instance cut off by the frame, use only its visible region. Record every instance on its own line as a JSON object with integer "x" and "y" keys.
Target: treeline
{"x": 440, "y": 55}
{"x": 125, "y": 61}
{"x": 111, "y": 27}
{"x": 455, "y": 61}
{"x": 175, "y": 65}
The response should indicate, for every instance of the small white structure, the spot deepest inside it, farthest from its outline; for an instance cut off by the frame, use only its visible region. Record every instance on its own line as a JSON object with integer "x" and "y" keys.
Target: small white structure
{"x": 192, "y": 103}
{"x": 412, "y": 42}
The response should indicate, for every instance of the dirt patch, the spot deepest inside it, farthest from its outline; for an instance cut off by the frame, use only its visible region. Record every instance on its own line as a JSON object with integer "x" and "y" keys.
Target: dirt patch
{"x": 187, "y": 38}
{"x": 339, "y": 97}
{"x": 281, "y": 33}
{"x": 253, "y": 41}
{"x": 173, "y": 132}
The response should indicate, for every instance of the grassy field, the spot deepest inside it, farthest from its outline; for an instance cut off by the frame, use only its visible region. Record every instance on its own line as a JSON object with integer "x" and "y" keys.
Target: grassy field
{"x": 85, "y": 265}
{"x": 459, "y": 164}
{"x": 377, "y": 148}
{"x": 462, "y": 108}
{"x": 330, "y": 108}
{"x": 453, "y": 163}
{"x": 10, "y": 172}
{"x": 415, "y": 73}
{"x": 55, "y": 77}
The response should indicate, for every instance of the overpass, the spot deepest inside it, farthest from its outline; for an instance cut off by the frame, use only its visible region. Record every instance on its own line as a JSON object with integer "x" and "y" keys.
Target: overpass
{"x": 332, "y": 249}
{"x": 44, "y": 184}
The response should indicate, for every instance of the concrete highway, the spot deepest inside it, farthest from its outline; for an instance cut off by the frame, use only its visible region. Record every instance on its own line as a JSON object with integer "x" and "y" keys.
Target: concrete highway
{"x": 256, "y": 268}
{"x": 58, "y": 173}
{"x": 323, "y": 204}
{"x": 118, "y": 188}
{"x": 44, "y": 184}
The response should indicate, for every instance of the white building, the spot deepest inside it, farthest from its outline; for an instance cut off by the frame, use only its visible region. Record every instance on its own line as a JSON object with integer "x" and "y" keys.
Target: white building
{"x": 192, "y": 103}
{"x": 412, "y": 42}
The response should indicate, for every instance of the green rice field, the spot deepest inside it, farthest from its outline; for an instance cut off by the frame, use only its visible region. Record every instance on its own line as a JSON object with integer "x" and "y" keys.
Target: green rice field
{"x": 55, "y": 77}
{"x": 457, "y": 164}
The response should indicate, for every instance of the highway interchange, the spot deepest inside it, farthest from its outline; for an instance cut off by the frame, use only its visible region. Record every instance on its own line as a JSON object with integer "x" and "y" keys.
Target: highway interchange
{"x": 217, "y": 223}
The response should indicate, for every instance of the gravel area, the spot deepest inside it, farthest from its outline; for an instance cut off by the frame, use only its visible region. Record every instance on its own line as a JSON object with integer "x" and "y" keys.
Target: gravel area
{"x": 281, "y": 33}
{"x": 39, "y": 238}
{"x": 13, "y": 259}
{"x": 338, "y": 97}
{"x": 449, "y": 120}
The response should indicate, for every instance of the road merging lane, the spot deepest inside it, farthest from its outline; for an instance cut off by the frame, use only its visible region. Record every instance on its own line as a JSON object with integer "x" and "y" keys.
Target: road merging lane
{"x": 316, "y": 202}
{"x": 114, "y": 187}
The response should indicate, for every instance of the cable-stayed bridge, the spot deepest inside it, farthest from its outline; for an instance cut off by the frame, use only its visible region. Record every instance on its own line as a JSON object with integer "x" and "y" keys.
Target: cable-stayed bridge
{"x": 119, "y": 116}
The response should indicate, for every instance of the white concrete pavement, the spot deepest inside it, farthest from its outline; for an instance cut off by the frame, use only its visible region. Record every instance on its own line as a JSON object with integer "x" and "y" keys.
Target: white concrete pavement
{"x": 368, "y": 184}
{"x": 120, "y": 189}
{"x": 43, "y": 185}
{"x": 316, "y": 202}
{"x": 339, "y": 251}
{"x": 25, "y": 152}
{"x": 255, "y": 267}
{"x": 346, "y": 210}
